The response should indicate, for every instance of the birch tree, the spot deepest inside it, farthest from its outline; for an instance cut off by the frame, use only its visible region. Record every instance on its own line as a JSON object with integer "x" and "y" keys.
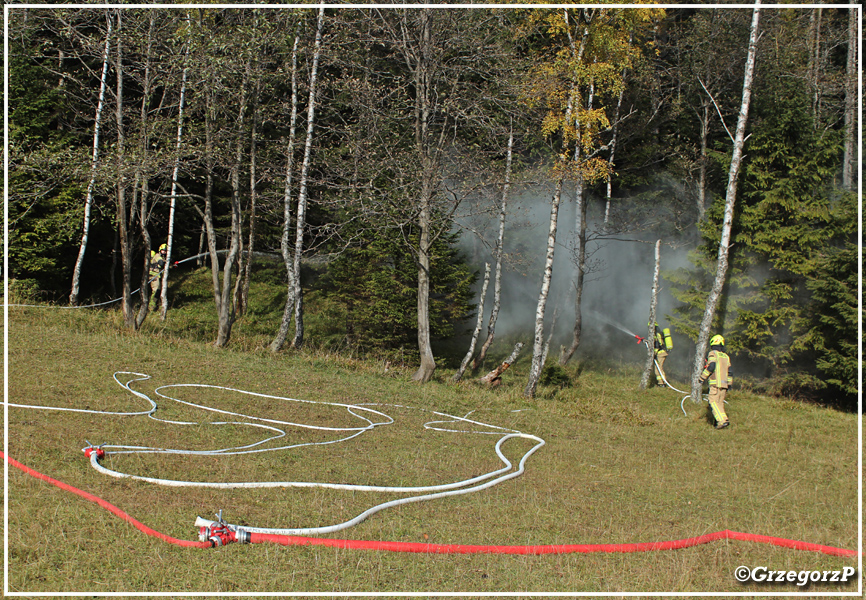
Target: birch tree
{"x": 478, "y": 324}
{"x": 611, "y": 156}
{"x": 219, "y": 76}
{"x": 570, "y": 116}
{"x": 246, "y": 254}
{"x": 94, "y": 163}
{"x": 553, "y": 123}
{"x": 651, "y": 335}
{"x": 285, "y": 247}
{"x": 538, "y": 337}
{"x": 303, "y": 184}
{"x": 497, "y": 255}
{"x": 209, "y": 160}
{"x": 174, "y": 183}
{"x": 730, "y": 199}
{"x": 578, "y": 125}
{"x": 292, "y": 256}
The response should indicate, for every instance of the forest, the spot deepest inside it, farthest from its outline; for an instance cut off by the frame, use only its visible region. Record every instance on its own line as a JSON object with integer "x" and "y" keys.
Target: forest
{"x": 390, "y": 159}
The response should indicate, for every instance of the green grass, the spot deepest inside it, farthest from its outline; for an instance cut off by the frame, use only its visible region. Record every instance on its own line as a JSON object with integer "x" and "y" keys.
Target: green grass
{"x": 620, "y": 465}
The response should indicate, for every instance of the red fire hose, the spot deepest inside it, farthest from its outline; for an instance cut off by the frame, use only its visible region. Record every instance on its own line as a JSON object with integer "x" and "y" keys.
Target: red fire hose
{"x": 548, "y": 549}
{"x": 106, "y": 505}
{"x": 220, "y": 534}
{"x": 289, "y": 540}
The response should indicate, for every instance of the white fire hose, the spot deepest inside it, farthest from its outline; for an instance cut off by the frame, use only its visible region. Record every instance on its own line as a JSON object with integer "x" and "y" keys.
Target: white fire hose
{"x": 370, "y": 418}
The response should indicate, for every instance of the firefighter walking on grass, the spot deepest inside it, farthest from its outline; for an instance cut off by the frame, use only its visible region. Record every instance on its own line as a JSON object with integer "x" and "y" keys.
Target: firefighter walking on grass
{"x": 718, "y": 371}
{"x": 157, "y": 264}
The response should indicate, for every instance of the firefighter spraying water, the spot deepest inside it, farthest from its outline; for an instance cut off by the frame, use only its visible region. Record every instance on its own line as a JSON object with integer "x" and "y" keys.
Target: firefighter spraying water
{"x": 662, "y": 345}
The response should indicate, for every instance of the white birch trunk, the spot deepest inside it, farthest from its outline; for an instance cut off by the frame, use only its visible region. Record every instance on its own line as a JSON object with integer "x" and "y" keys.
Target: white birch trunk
{"x": 163, "y": 308}
{"x": 546, "y": 349}
{"x": 428, "y": 363}
{"x": 94, "y": 161}
{"x": 478, "y": 324}
{"x": 302, "y": 185}
{"x": 730, "y": 198}
{"x": 538, "y": 341}
{"x": 580, "y": 224}
{"x": 283, "y": 331}
{"x": 497, "y": 279}
{"x": 815, "y": 64}
{"x": 648, "y": 368}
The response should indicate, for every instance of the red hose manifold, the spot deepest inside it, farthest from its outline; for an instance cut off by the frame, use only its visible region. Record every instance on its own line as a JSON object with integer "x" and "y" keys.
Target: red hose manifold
{"x": 100, "y": 453}
{"x": 220, "y": 533}
{"x": 217, "y": 535}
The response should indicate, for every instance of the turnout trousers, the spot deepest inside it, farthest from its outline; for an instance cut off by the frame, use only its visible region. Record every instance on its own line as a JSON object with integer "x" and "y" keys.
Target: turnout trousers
{"x": 661, "y": 355}
{"x": 717, "y": 403}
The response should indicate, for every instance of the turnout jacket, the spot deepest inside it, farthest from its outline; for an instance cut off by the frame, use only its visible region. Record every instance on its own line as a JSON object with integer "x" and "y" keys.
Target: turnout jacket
{"x": 157, "y": 263}
{"x": 718, "y": 369}
{"x": 659, "y": 341}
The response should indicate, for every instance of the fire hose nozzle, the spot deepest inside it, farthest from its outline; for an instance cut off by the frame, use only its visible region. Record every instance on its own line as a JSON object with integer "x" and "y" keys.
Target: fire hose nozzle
{"x": 639, "y": 339}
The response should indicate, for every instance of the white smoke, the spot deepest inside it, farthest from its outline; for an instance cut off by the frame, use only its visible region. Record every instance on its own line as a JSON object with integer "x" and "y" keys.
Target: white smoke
{"x": 617, "y": 291}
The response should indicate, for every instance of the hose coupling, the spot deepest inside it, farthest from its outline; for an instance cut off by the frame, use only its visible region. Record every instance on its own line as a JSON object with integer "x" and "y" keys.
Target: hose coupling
{"x": 100, "y": 453}
{"x": 218, "y": 535}
{"x": 243, "y": 536}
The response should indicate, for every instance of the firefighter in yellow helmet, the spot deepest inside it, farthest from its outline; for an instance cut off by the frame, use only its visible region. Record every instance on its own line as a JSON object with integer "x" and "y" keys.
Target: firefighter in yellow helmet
{"x": 157, "y": 264}
{"x": 718, "y": 371}
{"x": 662, "y": 345}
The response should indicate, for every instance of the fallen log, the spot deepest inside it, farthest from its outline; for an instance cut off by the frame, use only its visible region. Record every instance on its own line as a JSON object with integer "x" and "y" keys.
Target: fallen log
{"x": 494, "y": 377}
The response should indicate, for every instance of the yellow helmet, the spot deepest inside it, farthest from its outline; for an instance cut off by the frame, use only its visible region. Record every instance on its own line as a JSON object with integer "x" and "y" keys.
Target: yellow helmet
{"x": 717, "y": 341}
{"x": 163, "y": 247}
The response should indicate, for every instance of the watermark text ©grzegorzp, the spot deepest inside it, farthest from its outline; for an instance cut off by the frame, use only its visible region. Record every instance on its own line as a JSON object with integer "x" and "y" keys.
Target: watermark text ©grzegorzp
{"x": 801, "y": 578}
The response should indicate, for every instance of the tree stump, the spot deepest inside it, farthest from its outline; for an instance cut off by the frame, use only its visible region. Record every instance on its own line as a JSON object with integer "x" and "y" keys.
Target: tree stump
{"x": 494, "y": 377}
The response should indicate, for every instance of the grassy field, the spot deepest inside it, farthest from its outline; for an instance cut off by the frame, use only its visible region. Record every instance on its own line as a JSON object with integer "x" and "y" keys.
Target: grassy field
{"x": 620, "y": 465}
